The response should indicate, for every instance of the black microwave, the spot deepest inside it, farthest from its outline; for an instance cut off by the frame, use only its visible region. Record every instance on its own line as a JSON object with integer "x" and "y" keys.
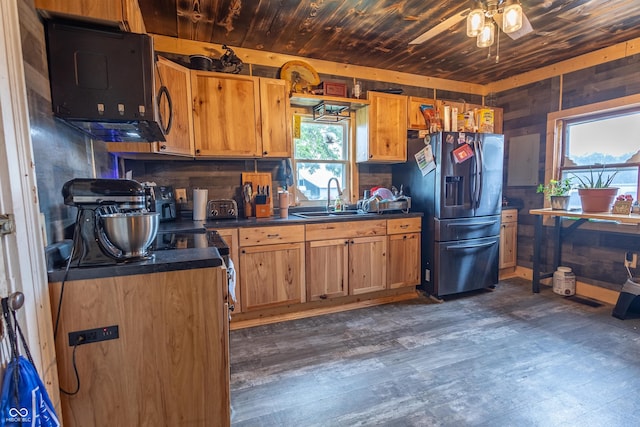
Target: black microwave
{"x": 102, "y": 82}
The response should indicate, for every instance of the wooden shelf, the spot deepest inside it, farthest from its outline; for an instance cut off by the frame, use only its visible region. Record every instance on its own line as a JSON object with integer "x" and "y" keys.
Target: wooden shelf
{"x": 309, "y": 100}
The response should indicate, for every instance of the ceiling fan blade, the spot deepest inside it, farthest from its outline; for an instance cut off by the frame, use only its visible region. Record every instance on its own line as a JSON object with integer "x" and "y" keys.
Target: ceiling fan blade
{"x": 441, "y": 27}
{"x": 526, "y": 26}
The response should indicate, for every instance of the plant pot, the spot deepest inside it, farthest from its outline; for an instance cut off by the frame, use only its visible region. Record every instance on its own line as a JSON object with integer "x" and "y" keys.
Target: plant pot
{"x": 559, "y": 202}
{"x": 597, "y": 199}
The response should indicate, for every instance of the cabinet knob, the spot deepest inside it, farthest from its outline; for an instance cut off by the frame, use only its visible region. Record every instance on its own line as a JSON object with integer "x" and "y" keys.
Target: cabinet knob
{"x": 163, "y": 147}
{"x": 264, "y": 153}
{"x": 198, "y": 151}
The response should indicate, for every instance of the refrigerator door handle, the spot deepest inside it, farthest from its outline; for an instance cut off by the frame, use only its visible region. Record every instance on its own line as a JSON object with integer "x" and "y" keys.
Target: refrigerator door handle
{"x": 480, "y": 154}
{"x": 470, "y": 246}
{"x": 471, "y": 224}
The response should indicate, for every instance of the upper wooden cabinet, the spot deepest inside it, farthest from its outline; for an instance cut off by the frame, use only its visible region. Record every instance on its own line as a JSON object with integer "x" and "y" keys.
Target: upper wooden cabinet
{"x": 226, "y": 115}
{"x": 176, "y": 78}
{"x": 275, "y": 118}
{"x": 125, "y": 14}
{"x": 240, "y": 116}
{"x": 381, "y": 129}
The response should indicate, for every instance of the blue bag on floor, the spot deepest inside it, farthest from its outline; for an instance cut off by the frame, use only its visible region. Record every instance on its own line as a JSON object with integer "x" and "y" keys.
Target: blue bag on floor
{"x": 23, "y": 400}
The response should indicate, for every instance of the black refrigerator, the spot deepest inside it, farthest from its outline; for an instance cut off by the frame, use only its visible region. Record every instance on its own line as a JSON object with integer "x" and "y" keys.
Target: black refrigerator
{"x": 455, "y": 179}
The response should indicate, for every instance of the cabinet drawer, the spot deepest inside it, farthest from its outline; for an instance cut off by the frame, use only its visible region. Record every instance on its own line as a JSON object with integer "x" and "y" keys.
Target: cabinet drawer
{"x": 510, "y": 215}
{"x": 338, "y": 230}
{"x": 404, "y": 225}
{"x": 271, "y": 235}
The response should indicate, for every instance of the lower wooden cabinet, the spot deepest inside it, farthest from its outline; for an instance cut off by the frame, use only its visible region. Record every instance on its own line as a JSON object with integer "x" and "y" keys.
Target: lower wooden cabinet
{"x": 172, "y": 351}
{"x": 271, "y": 266}
{"x": 327, "y": 272}
{"x": 404, "y": 252}
{"x": 509, "y": 239}
{"x": 345, "y": 258}
{"x": 367, "y": 264}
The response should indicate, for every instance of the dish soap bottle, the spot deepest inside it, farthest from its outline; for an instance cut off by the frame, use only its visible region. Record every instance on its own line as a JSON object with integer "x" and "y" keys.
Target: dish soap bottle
{"x": 338, "y": 205}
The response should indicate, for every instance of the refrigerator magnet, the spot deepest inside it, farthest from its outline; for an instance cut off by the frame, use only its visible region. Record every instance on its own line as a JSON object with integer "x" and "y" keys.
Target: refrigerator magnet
{"x": 425, "y": 160}
{"x": 462, "y": 153}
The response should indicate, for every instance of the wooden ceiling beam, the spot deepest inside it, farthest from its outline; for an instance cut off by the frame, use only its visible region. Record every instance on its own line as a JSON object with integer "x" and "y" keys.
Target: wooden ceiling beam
{"x": 271, "y": 59}
{"x": 608, "y": 54}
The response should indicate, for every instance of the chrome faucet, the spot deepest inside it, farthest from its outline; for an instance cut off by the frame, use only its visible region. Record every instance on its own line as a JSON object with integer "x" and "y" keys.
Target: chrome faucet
{"x": 329, "y": 191}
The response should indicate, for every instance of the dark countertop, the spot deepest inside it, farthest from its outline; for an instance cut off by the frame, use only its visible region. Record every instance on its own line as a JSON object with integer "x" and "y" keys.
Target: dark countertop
{"x": 187, "y": 224}
{"x": 186, "y": 259}
{"x": 162, "y": 261}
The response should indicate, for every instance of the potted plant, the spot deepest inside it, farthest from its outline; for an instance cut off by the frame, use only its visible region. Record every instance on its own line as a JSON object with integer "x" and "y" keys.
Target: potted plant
{"x": 557, "y": 191}
{"x": 595, "y": 191}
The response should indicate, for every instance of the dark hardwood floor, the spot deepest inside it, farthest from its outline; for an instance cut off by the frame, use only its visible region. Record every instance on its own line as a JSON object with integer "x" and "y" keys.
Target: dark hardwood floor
{"x": 495, "y": 358}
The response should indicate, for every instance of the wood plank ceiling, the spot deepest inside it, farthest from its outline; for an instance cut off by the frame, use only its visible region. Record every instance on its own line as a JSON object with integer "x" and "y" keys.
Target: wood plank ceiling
{"x": 376, "y": 33}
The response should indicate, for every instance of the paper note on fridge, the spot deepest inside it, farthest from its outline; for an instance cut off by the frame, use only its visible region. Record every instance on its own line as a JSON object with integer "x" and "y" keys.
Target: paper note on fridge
{"x": 425, "y": 160}
{"x": 462, "y": 153}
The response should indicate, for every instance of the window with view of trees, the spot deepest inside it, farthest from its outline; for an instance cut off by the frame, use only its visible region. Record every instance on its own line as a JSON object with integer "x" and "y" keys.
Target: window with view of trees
{"x": 320, "y": 153}
{"x": 610, "y": 141}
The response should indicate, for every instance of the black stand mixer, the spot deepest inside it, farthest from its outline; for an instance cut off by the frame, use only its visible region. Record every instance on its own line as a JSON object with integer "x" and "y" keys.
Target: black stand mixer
{"x": 112, "y": 225}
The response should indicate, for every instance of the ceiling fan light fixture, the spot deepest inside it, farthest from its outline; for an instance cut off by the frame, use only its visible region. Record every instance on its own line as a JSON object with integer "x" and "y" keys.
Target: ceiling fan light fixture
{"x": 512, "y": 16}
{"x": 487, "y": 36}
{"x": 475, "y": 20}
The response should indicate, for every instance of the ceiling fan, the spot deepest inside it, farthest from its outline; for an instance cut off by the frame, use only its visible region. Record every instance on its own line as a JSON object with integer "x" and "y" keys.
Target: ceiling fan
{"x": 481, "y": 16}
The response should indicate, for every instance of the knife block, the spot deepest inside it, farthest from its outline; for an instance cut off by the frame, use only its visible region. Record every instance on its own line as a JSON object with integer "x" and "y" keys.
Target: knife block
{"x": 263, "y": 211}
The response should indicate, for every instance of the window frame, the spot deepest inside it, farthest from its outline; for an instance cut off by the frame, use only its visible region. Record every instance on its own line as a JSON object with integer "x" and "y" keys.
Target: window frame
{"x": 351, "y": 170}
{"x": 555, "y": 143}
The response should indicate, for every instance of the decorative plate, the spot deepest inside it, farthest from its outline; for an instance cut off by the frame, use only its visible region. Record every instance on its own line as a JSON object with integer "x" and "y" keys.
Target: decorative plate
{"x": 300, "y": 75}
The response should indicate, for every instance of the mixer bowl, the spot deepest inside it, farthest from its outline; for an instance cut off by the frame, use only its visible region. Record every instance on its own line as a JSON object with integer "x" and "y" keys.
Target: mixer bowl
{"x": 131, "y": 232}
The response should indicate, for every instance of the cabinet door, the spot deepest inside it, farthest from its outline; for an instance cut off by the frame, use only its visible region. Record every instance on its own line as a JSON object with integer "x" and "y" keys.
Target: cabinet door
{"x": 226, "y": 115}
{"x": 404, "y": 260}
{"x": 276, "y": 118}
{"x": 508, "y": 244}
{"x": 176, "y": 78}
{"x": 272, "y": 275}
{"x": 327, "y": 269}
{"x": 367, "y": 264}
{"x": 383, "y": 138}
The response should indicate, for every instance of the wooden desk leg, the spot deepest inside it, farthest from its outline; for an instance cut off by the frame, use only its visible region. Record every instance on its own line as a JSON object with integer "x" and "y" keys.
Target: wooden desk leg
{"x": 557, "y": 243}
{"x": 535, "y": 283}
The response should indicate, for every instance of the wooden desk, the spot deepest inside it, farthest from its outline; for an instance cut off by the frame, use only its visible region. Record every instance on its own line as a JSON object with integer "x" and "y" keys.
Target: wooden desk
{"x": 559, "y": 233}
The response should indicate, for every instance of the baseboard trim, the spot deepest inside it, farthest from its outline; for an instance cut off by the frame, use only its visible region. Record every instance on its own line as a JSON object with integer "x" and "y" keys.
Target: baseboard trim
{"x": 586, "y": 290}
{"x": 275, "y": 318}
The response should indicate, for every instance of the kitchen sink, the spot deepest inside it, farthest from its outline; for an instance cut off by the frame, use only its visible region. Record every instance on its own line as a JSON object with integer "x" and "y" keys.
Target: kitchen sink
{"x": 323, "y": 214}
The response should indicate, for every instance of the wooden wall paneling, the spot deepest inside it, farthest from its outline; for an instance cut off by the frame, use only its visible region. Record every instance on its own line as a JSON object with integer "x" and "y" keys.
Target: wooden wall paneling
{"x": 614, "y": 79}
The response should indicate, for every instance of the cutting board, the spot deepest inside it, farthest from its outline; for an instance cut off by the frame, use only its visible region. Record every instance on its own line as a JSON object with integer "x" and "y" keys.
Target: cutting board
{"x": 261, "y": 179}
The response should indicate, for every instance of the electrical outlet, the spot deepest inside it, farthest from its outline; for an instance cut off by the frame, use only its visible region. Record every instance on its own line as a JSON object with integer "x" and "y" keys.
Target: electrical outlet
{"x": 93, "y": 335}
{"x": 181, "y": 195}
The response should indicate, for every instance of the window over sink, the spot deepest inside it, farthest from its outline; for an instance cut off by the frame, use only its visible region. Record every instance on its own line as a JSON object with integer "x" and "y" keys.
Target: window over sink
{"x": 321, "y": 152}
